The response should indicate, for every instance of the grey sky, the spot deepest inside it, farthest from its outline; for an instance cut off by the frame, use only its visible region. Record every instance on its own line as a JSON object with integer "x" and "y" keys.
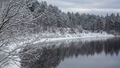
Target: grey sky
{"x": 87, "y": 6}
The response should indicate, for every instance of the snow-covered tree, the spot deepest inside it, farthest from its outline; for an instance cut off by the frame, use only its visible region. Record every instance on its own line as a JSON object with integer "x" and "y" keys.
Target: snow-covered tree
{"x": 16, "y": 19}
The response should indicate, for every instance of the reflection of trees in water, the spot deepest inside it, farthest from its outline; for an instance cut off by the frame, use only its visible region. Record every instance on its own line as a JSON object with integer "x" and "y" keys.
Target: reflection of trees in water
{"x": 52, "y": 55}
{"x": 112, "y": 47}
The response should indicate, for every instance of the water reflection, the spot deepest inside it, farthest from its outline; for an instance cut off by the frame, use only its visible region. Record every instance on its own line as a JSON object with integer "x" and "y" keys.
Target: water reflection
{"x": 51, "y": 55}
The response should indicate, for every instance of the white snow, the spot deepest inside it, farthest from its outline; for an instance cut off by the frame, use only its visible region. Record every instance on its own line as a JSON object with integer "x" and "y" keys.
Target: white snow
{"x": 75, "y": 36}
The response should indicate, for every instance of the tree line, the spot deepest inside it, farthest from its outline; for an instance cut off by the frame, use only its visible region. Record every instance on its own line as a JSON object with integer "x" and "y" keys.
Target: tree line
{"x": 53, "y": 17}
{"x": 36, "y": 17}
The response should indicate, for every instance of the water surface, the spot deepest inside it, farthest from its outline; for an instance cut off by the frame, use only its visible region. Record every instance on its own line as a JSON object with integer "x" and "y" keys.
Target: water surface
{"x": 73, "y": 54}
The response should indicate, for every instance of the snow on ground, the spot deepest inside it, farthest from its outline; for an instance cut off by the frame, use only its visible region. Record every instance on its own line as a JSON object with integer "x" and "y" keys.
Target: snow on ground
{"x": 75, "y": 36}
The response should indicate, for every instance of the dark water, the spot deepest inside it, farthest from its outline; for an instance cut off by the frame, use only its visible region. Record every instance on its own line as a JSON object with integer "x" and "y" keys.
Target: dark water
{"x": 73, "y": 54}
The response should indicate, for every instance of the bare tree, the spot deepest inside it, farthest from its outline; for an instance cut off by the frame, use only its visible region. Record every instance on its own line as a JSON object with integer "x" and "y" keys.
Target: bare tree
{"x": 15, "y": 20}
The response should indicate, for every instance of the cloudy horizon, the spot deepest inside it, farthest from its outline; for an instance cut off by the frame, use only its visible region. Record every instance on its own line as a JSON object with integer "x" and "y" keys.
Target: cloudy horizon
{"x": 98, "y": 7}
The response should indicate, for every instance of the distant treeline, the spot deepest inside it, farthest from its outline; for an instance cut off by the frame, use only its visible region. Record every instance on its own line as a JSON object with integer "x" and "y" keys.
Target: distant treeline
{"x": 54, "y": 17}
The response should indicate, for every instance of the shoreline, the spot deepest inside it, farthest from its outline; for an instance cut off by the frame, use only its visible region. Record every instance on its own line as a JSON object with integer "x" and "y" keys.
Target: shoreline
{"x": 70, "y": 37}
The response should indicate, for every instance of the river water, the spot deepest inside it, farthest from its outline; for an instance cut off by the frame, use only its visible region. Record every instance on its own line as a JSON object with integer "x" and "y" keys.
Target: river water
{"x": 102, "y": 53}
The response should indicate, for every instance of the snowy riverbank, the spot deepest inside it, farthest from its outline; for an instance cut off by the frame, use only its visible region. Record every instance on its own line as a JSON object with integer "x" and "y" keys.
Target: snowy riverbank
{"x": 76, "y": 36}
{"x": 36, "y": 38}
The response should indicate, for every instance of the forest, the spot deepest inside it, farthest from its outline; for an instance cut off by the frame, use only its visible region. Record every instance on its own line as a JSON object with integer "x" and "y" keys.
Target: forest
{"x": 37, "y": 17}
{"x": 53, "y": 17}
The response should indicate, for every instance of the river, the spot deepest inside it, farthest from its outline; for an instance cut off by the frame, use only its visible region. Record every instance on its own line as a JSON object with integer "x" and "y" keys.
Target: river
{"x": 101, "y": 53}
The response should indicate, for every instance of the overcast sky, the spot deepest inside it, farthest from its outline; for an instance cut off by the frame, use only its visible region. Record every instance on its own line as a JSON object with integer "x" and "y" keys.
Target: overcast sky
{"x": 100, "y": 7}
